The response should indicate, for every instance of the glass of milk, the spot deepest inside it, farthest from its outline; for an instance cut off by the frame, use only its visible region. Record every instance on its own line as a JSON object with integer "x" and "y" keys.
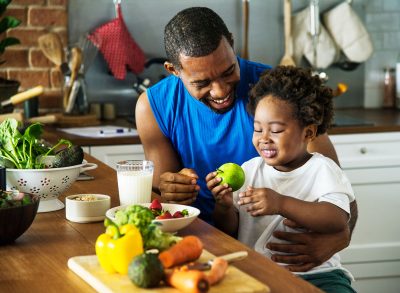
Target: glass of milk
{"x": 135, "y": 181}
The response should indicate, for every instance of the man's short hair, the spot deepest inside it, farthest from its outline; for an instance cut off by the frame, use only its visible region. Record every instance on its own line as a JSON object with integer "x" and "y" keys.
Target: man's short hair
{"x": 194, "y": 32}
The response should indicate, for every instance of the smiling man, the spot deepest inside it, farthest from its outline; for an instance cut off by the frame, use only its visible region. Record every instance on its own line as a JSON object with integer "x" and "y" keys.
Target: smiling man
{"x": 196, "y": 120}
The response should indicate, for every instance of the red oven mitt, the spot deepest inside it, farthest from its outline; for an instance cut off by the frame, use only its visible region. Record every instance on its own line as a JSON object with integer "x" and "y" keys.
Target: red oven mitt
{"x": 118, "y": 47}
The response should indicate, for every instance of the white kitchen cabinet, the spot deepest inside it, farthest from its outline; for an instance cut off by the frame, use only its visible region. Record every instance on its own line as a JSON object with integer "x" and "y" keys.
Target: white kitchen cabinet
{"x": 372, "y": 163}
{"x": 110, "y": 155}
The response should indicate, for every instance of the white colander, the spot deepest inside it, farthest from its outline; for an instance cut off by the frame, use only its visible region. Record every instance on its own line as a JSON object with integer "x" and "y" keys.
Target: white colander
{"x": 47, "y": 183}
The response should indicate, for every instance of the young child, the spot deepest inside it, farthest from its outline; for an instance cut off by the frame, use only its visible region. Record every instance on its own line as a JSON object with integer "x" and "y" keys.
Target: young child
{"x": 291, "y": 108}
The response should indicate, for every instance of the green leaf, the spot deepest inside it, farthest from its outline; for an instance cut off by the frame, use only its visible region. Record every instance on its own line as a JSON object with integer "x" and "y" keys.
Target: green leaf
{"x": 10, "y": 41}
{"x": 3, "y": 5}
{"x": 8, "y": 22}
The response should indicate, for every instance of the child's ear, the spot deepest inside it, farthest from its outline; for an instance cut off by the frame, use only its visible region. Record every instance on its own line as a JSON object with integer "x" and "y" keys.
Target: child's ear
{"x": 311, "y": 132}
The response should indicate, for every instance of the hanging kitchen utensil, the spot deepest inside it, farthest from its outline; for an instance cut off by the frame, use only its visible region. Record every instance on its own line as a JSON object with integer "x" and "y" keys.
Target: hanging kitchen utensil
{"x": 118, "y": 47}
{"x": 287, "y": 58}
{"x": 245, "y": 45}
{"x": 7, "y": 106}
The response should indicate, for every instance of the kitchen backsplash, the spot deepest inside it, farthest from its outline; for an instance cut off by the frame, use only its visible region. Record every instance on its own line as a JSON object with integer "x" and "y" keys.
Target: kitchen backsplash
{"x": 146, "y": 20}
{"x": 382, "y": 19}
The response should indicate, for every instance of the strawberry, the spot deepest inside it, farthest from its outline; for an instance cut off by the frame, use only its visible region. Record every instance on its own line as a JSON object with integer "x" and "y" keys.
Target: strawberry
{"x": 156, "y": 205}
{"x": 165, "y": 215}
{"x": 177, "y": 214}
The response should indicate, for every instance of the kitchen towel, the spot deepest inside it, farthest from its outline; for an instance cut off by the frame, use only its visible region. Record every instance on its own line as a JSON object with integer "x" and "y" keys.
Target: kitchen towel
{"x": 348, "y": 32}
{"x": 118, "y": 47}
{"x": 327, "y": 51}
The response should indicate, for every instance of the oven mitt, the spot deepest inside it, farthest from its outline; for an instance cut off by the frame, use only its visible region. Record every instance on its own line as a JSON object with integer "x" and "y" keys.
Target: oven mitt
{"x": 119, "y": 49}
{"x": 327, "y": 51}
{"x": 348, "y": 32}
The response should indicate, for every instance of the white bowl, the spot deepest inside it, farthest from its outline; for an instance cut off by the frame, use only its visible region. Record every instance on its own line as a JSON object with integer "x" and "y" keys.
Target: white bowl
{"x": 47, "y": 183}
{"x": 85, "y": 211}
{"x": 167, "y": 225}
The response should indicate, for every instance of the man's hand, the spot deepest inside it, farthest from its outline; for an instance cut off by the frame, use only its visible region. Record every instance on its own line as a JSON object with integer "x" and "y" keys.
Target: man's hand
{"x": 310, "y": 249}
{"x": 179, "y": 187}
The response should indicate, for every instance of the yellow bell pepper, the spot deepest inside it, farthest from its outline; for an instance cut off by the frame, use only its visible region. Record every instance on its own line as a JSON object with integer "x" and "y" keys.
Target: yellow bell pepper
{"x": 116, "y": 248}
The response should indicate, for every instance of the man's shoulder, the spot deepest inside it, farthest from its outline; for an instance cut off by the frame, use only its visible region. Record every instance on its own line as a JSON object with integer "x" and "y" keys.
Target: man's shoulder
{"x": 170, "y": 80}
{"x": 254, "y": 66}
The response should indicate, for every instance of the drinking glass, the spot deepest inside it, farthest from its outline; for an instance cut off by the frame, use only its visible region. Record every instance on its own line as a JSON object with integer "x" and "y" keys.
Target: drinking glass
{"x": 134, "y": 181}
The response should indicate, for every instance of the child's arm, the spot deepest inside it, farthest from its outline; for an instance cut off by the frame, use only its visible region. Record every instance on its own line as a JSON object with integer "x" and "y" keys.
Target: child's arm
{"x": 225, "y": 215}
{"x": 322, "y": 217}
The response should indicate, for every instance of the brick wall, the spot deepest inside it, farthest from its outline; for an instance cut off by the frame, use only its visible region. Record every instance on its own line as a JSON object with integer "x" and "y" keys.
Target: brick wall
{"x": 25, "y": 62}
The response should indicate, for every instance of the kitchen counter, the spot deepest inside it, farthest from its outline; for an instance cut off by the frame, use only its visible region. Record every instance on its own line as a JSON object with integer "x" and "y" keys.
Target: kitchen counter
{"x": 37, "y": 261}
{"x": 348, "y": 121}
{"x": 366, "y": 121}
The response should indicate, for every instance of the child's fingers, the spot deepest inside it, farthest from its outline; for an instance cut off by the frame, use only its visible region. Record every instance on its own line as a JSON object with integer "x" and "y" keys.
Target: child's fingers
{"x": 244, "y": 199}
{"x": 212, "y": 181}
{"x": 221, "y": 189}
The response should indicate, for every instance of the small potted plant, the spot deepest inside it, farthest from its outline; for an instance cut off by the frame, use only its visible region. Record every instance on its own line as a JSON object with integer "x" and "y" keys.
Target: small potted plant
{"x": 7, "y": 87}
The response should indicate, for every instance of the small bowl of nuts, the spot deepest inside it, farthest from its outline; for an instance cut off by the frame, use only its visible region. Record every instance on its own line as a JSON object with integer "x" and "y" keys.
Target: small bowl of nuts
{"x": 86, "y": 208}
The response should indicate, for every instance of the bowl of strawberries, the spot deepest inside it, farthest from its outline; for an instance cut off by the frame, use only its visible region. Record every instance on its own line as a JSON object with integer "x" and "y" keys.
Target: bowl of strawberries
{"x": 170, "y": 217}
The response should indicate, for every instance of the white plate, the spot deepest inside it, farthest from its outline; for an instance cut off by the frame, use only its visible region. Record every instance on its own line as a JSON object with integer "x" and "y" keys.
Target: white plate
{"x": 167, "y": 225}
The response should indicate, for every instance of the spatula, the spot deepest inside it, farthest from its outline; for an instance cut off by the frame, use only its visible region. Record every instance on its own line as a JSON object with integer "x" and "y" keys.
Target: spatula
{"x": 287, "y": 58}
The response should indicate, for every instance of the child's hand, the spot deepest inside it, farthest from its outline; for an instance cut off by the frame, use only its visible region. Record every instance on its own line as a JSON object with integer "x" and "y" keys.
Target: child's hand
{"x": 260, "y": 201}
{"x": 222, "y": 193}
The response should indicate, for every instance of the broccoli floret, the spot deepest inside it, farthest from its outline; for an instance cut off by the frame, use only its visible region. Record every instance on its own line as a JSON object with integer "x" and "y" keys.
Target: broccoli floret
{"x": 137, "y": 215}
{"x": 142, "y": 218}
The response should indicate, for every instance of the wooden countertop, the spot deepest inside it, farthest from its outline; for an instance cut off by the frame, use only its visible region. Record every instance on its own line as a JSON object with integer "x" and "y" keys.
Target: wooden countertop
{"x": 381, "y": 120}
{"x": 37, "y": 261}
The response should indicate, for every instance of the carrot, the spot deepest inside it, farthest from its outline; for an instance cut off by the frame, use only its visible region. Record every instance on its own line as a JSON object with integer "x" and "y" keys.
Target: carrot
{"x": 188, "y": 249}
{"x": 190, "y": 281}
{"x": 218, "y": 270}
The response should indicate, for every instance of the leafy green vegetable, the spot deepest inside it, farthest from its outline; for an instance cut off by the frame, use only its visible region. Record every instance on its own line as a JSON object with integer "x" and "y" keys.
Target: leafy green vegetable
{"x": 142, "y": 218}
{"x": 68, "y": 157}
{"x": 21, "y": 151}
{"x": 13, "y": 199}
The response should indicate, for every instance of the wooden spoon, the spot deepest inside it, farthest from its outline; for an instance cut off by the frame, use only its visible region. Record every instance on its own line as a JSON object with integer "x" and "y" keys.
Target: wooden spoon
{"x": 75, "y": 65}
{"x": 245, "y": 53}
{"x": 287, "y": 58}
{"x": 52, "y": 48}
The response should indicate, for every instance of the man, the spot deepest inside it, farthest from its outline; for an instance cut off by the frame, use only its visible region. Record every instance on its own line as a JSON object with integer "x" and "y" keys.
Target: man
{"x": 195, "y": 120}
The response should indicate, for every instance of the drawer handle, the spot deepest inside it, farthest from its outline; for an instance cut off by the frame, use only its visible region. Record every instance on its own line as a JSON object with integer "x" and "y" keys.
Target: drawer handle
{"x": 363, "y": 150}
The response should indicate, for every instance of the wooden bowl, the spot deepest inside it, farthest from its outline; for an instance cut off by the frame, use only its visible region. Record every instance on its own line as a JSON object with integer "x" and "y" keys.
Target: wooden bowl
{"x": 14, "y": 221}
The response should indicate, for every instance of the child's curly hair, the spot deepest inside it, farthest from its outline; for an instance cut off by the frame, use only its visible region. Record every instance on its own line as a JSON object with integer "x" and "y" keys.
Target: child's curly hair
{"x": 311, "y": 100}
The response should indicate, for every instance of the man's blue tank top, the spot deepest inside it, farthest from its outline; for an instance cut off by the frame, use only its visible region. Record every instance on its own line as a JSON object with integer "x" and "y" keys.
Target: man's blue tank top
{"x": 203, "y": 139}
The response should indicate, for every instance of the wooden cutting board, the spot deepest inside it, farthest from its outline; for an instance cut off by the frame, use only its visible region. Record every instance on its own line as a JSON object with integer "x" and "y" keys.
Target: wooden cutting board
{"x": 88, "y": 268}
{"x": 67, "y": 120}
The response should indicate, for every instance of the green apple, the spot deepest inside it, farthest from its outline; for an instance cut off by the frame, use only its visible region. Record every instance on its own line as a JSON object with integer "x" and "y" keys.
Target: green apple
{"x": 232, "y": 174}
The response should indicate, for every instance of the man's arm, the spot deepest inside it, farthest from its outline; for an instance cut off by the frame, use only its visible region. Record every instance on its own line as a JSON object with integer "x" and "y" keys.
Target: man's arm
{"x": 173, "y": 184}
{"x": 157, "y": 147}
{"x": 323, "y": 145}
